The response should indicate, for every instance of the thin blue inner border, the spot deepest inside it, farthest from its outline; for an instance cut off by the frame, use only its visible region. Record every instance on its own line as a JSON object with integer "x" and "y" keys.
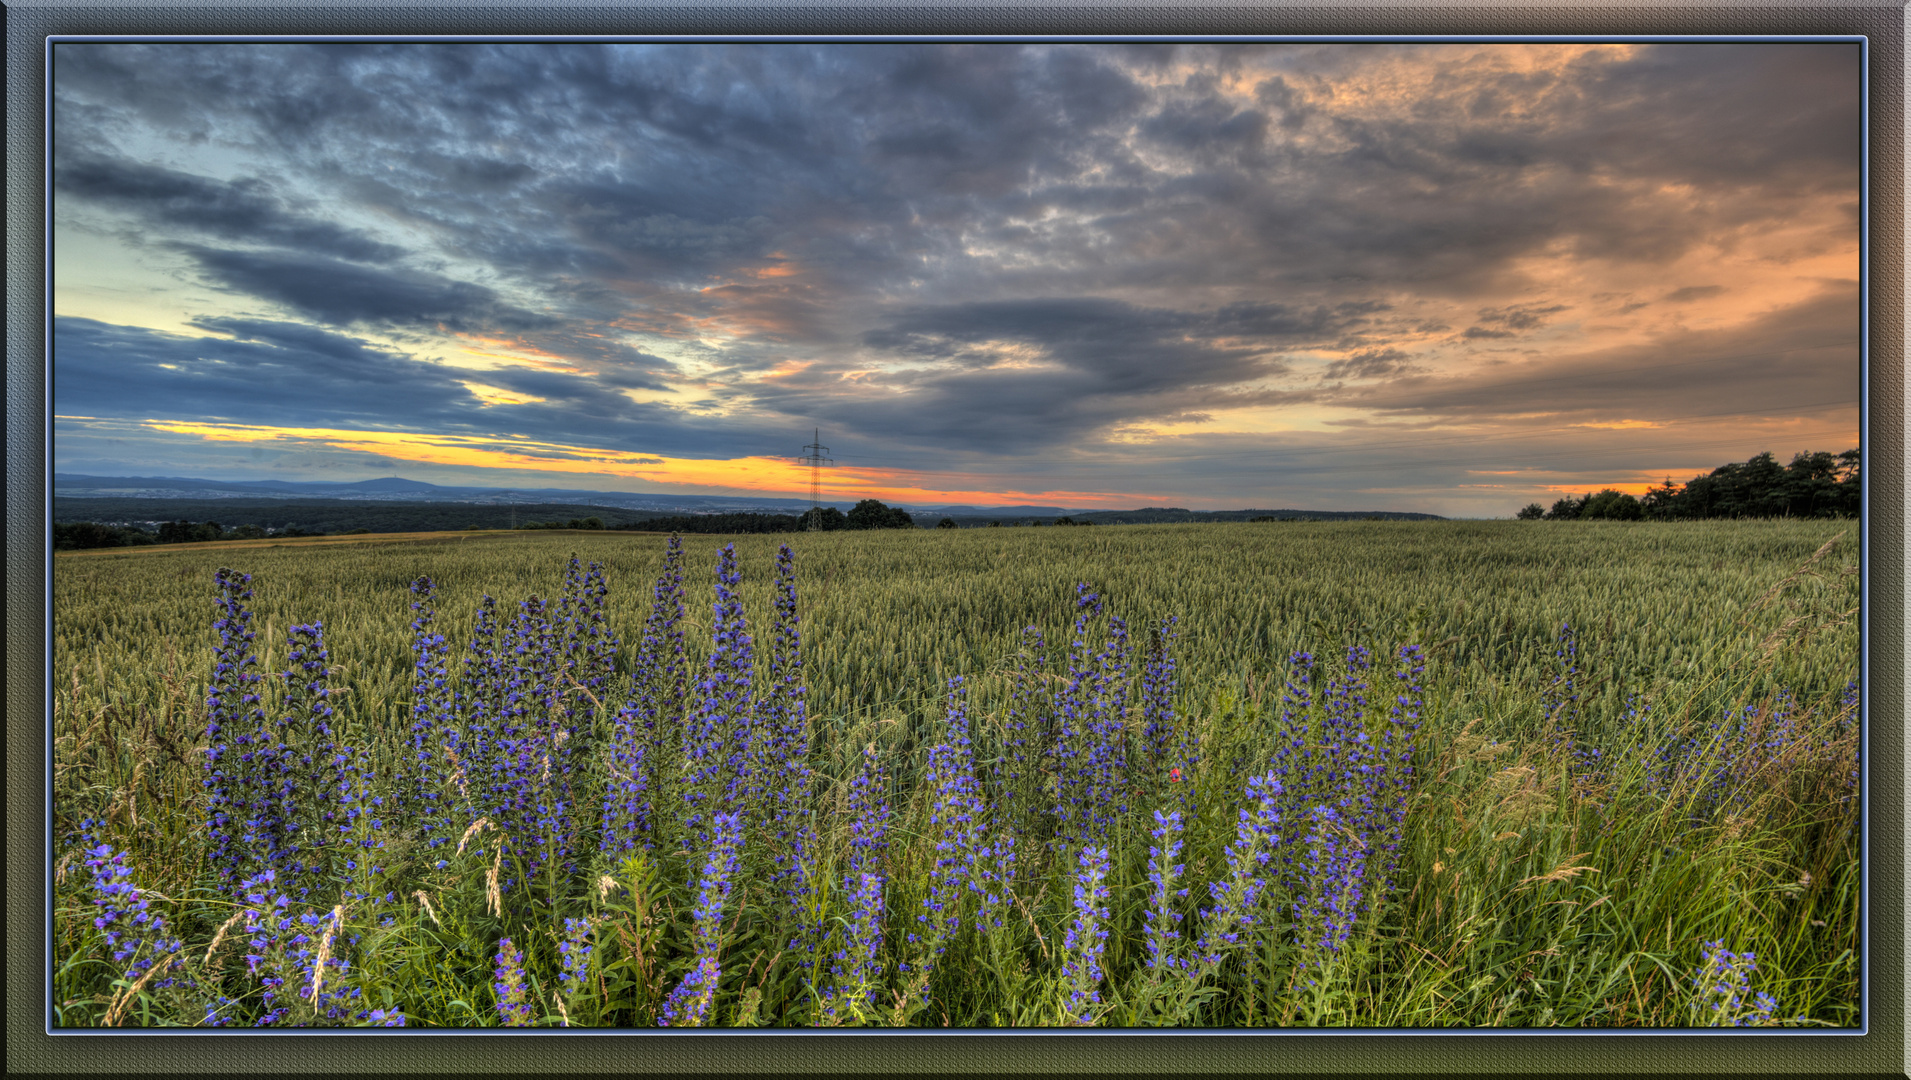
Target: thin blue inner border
{"x": 1864, "y": 511}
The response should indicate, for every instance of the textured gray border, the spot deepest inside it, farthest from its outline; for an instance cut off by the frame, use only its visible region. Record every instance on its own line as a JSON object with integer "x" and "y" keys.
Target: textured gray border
{"x": 1882, "y": 1052}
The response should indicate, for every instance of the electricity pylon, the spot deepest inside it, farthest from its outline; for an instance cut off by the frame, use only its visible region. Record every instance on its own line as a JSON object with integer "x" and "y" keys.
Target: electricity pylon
{"x": 817, "y": 460}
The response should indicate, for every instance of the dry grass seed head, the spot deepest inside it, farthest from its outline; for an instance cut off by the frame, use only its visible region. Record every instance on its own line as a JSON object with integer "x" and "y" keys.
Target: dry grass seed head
{"x": 1565, "y": 871}
{"x": 219, "y": 939}
{"x": 114, "y": 1013}
{"x": 473, "y": 830}
{"x": 325, "y": 948}
{"x": 493, "y": 896}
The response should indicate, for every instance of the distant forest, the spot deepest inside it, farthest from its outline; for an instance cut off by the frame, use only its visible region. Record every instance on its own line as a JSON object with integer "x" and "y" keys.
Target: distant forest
{"x": 119, "y": 522}
{"x": 103, "y": 523}
{"x": 1815, "y": 485}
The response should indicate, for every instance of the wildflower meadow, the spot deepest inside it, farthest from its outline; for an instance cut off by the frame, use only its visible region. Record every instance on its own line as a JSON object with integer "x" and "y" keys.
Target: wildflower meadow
{"x": 1363, "y": 775}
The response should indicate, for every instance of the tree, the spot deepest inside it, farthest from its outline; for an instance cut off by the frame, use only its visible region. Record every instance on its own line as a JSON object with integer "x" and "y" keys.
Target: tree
{"x": 1531, "y": 512}
{"x": 946, "y": 523}
{"x": 872, "y": 514}
{"x": 1612, "y": 505}
{"x": 1663, "y": 501}
{"x": 1850, "y": 483}
{"x": 1815, "y": 484}
{"x": 824, "y": 518}
{"x": 1568, "y": 508}
{"x": 185, "y": 532}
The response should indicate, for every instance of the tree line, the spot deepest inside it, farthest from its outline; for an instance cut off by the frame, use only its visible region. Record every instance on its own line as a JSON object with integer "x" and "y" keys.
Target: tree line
{"x": 71, "y": 535}
{"x": 867, "y": 514}
{"x": 1817, "y": 484}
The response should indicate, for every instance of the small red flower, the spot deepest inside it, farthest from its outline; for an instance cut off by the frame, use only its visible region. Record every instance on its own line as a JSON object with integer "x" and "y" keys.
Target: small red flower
{"x": 1174, "y": 776}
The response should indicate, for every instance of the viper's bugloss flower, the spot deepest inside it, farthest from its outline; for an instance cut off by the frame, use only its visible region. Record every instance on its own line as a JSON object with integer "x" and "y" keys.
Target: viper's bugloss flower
{"x": 135, "y": 933}
{"x": 234, "y": 723}
{"x": 1087, "y": 936}
{"x": 1164, "y": 874}
{"x": 660, "y": 660}
{"x": 1237, "y": 895}
{"x": 361, "y": 823}
{"x": 1075, "y": 725}
{"x": 689, "y": 1004}
{"x": 513, "y": 995}
{"x": 1025, "y": 712}
{"x": 1559, "y": 706}
{"x": 314, "y": 773}
{"x": 854, "y": 971}
{"x": 1385, "y": 820}
{"x": 869, "y": 815}
{"x": 718, "y": 741}
{"x": 574, "y": 956}
{"x": 782, "y": 730}
{"x": 955, "y": 825}
{"x": 270, "y": 931}
{"x": 433, "y": 711}
{"x": 1723, "y": 985}
{"x": 1105, "y": 772}
{"x": 626, "y": 817}
{"x": 589, "y": 647}
{"x": 714, "y": 884}
{"x": 1168, "y": 747}
{"x": 1336, "y": 864}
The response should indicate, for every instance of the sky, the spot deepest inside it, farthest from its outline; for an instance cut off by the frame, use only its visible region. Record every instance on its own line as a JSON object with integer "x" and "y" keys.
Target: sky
{"x": 1443, "y": 278}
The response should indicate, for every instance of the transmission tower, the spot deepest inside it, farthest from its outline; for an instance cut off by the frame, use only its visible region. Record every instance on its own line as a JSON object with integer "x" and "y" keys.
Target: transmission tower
{"x": 817, "y": 460}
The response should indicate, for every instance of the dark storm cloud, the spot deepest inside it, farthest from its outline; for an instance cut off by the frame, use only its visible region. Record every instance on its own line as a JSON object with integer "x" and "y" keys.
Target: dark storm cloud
{"x": 1028, "y": 374}
{"x": 235, "y": 210}
{"x": 269, "y": 372}
{"x": 343, "y": 293}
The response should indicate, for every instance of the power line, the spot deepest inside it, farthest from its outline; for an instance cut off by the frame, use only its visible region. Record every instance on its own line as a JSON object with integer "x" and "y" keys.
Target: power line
{"x": 816, "y": 461}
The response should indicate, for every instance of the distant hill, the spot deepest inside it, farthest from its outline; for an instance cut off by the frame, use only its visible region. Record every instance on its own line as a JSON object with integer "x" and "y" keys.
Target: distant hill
{"x": 332, "y": 515}
{"x": 395, "y": 504}
{"x": 398, "y": 489}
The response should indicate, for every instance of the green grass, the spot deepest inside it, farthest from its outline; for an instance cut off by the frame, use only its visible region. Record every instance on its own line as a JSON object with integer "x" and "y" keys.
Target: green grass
{"x": 1525, "y": 897}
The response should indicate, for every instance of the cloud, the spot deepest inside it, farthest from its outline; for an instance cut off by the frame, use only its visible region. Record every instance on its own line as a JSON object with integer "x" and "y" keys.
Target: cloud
{"x": 246, "y": 209}
{"x": 296, "y": 375}
{"x": 1371, "y": 364}
{"x": 1801, "y": 355}
{"x": 1692, "y": 292}
{"x": 343, "y": 293}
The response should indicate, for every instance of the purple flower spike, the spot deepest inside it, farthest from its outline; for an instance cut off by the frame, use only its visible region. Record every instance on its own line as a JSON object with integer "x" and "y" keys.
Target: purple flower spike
{"x": 514, "y": 997}
{"x": 1164, "y": 922}
{"x": 1087, "y": 936}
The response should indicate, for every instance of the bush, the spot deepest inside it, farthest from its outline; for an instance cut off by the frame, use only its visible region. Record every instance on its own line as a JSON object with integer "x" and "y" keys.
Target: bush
{"x": 1611, "y": 505}
{"x": 872, "y": 514}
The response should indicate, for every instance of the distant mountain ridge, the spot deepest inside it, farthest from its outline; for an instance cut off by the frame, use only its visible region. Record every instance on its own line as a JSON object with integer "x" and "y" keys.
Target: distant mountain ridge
{"x": 398, "y": 489}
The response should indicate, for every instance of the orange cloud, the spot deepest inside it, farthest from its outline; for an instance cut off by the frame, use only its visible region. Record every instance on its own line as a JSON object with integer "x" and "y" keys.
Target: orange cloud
{"x": 768, "y": 476}
{"x": 1626, "y": 487}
